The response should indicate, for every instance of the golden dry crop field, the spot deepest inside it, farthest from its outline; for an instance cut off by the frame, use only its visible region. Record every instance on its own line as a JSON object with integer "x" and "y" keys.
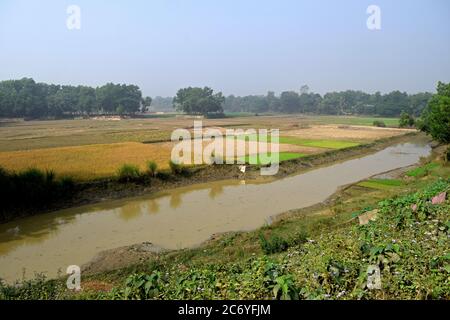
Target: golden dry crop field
{"x": 91, "y": 149}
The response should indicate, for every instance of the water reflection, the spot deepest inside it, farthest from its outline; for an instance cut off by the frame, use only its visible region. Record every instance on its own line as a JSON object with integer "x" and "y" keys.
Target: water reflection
{"x": 175, "y": 200}
{"x": 215, "y": 191}
{"x": 153, "y": 206}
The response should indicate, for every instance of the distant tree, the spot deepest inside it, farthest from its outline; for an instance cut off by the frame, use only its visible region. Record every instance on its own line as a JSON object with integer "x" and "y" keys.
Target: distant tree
{"x": 107, "y": 97}
{"x": 330, "y": 103}
{"x": 120, "y": 110}
{"x": 199, "y": 101}
{"x": 111, "y": 96}
{"x": 86, "y": 100}
{"x": 393, "y": 103}
{"x": 162, "y": 103}
{"x": 418, "y": 102}
{"x": 290, "y": 102}
{"x": 309, "y": 102}
{"x": 304, "y": 89}
{"x": 146, "y": 103}
{"x": 436, "y": 116}
{"x": 273, "y": 102}
{"x": 64, "y": 101}
{"x": 28, "y": 99}
{"x": 406, "y": 120}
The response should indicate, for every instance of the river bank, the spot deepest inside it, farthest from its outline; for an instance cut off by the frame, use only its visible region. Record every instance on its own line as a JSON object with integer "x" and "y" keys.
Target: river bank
{"x": 183, "y": 217}
{"x": 111, "y": 189}
{"x": 124, "y": 257}
{"x": 322, "y": 252}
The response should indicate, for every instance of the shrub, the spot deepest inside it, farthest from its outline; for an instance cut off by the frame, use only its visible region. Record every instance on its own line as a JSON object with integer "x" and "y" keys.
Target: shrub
{"x": 152, "y": 168}
{"x": 33, "y": 175}
{"x": 66, "y": 185}
{"x": 300, "y": 237}
{"x": 406, "y": 120}
{"x": 142, "y": 286}
{"x": 163, "y": 175}
{"x": 39, "y": 288}
{"x": 175, "y": 168}
{"x": 285, "y": 289}
{"x": 273, "y": 244}
{"x": 128, "y": 172}
{"x": 379, "y": 123}
{"x": 31, "y": 188}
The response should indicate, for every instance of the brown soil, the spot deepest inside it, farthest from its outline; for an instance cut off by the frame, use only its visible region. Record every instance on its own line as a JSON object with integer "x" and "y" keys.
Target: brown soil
{"x": 120, "y": 257}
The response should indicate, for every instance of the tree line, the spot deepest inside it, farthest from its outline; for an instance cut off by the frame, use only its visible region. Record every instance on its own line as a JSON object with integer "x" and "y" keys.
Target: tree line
{"x": 334, "y": 103}
{"x": 29, "y": 99}
{"x": 205, "y": 101}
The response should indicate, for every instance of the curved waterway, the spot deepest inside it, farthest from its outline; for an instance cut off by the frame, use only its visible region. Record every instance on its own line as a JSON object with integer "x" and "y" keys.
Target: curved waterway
{"x": 178, "y": 218}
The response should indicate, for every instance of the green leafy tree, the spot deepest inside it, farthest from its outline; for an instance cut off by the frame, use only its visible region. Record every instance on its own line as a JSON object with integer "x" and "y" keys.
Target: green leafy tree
{"x": 436, "y": 116}
{"x": 198, "y": 101}
{"x": 406, "y": 120}
{"x": 290, "y": 102}
{"x": 146, "y": 103}
{"x": 86, "y": 100}
{"x": 111, "y": 96}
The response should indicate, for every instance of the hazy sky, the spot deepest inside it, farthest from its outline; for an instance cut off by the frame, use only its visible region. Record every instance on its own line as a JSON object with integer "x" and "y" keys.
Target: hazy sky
{"x": 235, "y": 46}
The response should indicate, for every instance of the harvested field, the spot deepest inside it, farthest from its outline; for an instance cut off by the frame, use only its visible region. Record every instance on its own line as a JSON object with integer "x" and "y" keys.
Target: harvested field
{"x": 352, "y": 133}
{"x": 88, "y": 162}
{"x": 24, "y": 135}
{"x": 94, "y": 149}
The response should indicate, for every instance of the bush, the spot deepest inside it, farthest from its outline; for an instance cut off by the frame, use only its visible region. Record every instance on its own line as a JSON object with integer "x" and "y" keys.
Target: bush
{"x": 300, "y": 237}
{"x": 39, "y": 288}
{"x": 163, "y": 175}
{"x": 31, "y": 188}
{"x": 142, "y": 286}
{"x": 152, "y": 168}
{"x": 175, "y": 168}
{"x": 273, "y": 244}
{"x": 406, "y": 120}
{"x": 285, "y": 289}
{"x": 67, "y": 184}
{"x": 379, "y": 123}
{"x": 128, "y": 172}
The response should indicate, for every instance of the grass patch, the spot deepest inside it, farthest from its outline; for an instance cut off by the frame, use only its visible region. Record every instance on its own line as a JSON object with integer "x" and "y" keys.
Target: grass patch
{"x": 238, "y": 114}
{"x": 282, "y": 156}
{"x": 356, "y": 121}
{"x": 128, "y": 172}
{"x": 323, "y": 143}
{"x": 381, "y": 184}
{"x": 423, "y": 170}
{"x": 329, "y": 144}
